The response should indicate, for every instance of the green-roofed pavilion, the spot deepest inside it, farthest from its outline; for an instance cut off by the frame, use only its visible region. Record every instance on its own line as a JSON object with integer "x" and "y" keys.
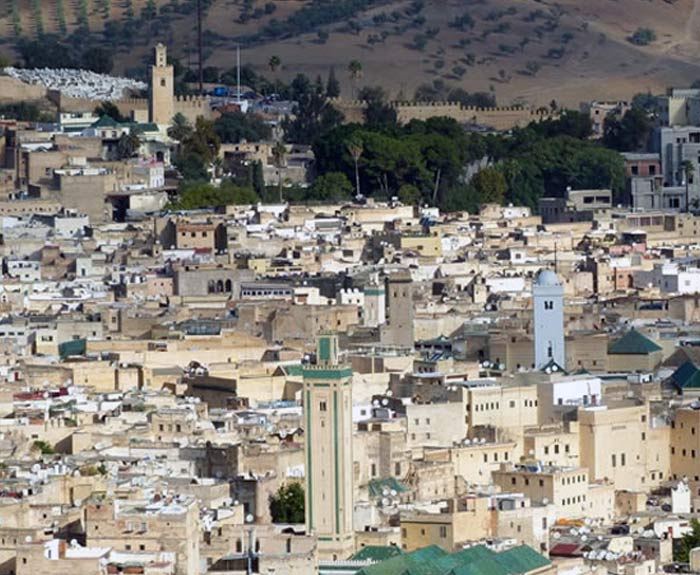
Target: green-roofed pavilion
{"x": 634, "y": 352}
{"x": 634, "y": 343}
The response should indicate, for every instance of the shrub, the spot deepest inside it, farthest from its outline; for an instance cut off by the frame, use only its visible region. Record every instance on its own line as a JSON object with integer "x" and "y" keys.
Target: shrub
{"x": 642, "y": 37}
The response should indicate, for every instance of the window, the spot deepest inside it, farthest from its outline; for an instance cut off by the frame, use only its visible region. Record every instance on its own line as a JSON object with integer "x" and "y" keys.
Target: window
{"x": 614, "y": 460}
{"x": 548, "y": 305}
{"x": 322, "y": 406}
{"x": 397, "y": 468}
{"x": 162, "y": 82}
{"x": 622, "y": 460}
{"x": 443, "y": 531}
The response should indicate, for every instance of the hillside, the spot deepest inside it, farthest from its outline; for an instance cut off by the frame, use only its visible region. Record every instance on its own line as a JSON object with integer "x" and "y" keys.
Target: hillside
{"x": 523, "y": 50}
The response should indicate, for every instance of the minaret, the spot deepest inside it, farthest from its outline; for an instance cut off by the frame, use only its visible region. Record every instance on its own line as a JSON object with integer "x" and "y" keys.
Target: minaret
{"x": 162, "y": 96}
{"x": 548, "y": 303}
{"x": 328, "y": 451}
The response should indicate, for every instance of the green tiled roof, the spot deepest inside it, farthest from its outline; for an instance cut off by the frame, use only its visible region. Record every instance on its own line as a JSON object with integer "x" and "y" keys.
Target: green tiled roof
{"x": 376, "y": 553}
{"x": 105, "y": 122}
{"x": 521, "y": 559}
{"x": 477, "y": 560}
{"x": 420, "y": 562}
{"x": 480, "y": 567}
{"x": 687, "y": 376}
{"x": 293, "y": 369}
{"x": 633, "y": 343}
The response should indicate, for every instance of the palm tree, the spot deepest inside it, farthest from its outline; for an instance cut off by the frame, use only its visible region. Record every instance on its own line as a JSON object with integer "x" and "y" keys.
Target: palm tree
{"x": 273, "y": 63}
{"x": 355, "y": 71}
{"x": 279, "y": 153}
{"x": 355, "y": 149}
{"x": 181, "y": 129}
{"x": 688, "y": 171}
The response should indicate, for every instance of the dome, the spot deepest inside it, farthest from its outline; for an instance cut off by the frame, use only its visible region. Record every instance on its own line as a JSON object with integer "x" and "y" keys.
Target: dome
{"x": 547, "y": 278}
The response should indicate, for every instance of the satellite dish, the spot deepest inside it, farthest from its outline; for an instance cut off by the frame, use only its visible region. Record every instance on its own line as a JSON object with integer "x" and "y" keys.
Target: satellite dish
{"x": 555, "y": 368}
{"x": 249, "y": 518}
{"x": 545, "y": 501}
{"x": 385, "y": 402}
{"x": 389, "y": 393}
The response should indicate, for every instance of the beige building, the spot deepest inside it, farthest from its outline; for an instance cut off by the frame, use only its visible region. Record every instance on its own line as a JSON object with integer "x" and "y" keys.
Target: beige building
{"x": 163, "y": 524}
{"x": 564, "y": 487}
{"x": 621, "y": 446}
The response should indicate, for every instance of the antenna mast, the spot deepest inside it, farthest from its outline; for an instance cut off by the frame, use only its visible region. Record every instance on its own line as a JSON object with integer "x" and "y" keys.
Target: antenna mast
{"x": 199, "y": 47}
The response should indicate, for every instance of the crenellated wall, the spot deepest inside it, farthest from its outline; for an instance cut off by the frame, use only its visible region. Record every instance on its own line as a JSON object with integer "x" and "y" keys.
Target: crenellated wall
{"x": 498, "y": 118}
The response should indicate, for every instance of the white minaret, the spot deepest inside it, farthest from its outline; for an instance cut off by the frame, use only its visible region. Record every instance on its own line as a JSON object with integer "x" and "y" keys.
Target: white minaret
{"x": 548, "y": 302}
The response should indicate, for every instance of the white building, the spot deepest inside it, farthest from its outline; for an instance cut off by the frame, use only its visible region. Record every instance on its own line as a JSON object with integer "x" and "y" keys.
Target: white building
{"x": 548, "y": 303}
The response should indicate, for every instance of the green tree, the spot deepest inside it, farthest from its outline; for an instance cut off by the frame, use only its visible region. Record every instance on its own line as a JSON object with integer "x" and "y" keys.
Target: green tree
{"x": 180, "y": 129}
{"x": 287, "y": 505}
{"x": 409, "y": 195}
{"x": 378, "y": 113}
{"x": 355, "y": 71}
{"x": 110, "y": 110}
{"x": 688, "y": 170}
{"x": 355, "y": 149}
{"x": 234, "y": 127}
{"x": 314, "y": 115}
{"x": 332, "y": 85}
{"x": 489, "y": 185}
{"x": 629, "y": 134}
{"x": 198, "y": 195}
{"x": 273, "y": 63}
{"x": 98, "y": 60}
{"x": 128, "y": 145}
{"x": 44, "y": 446}
{"x": 333, "y": 186}
{"x": 149, "y": 11}
{"x": 688, "y": 542}
{"x": 643, "y": 36}
{"x": 257, "y": 178}
{"x": 279, "y": 155}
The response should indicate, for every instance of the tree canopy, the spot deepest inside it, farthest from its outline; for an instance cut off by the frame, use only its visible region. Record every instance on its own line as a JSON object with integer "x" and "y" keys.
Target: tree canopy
{"x": 287, "y": 505}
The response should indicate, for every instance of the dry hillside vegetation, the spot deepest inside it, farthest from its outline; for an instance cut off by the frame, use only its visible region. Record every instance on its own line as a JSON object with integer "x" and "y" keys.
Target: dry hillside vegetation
{"x": 521, "y": 50}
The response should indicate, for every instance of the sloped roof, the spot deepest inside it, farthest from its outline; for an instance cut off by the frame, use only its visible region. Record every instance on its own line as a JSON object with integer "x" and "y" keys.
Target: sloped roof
{"x": 105, "y": 121}
{"x": 522, "y": 559}
{"x": 681, "y": 355}
{"x": 633, "y": 343}
{"x": 377, "y": 553}
{"x": 553, "y": 366}
{"x": 420, "y": 562}
{"x": 477, "y": 560}
{"x": 687, "y": 376}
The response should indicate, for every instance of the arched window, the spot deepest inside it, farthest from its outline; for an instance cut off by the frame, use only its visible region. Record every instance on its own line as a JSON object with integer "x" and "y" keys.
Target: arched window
{"x": 211, "y": 287}
{"x": 229, "y": 286}
{"x": 219, "y": 286}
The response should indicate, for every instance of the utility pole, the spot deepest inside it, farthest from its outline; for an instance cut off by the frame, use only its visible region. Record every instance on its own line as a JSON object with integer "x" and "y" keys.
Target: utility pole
{"x": 199, "y": 47}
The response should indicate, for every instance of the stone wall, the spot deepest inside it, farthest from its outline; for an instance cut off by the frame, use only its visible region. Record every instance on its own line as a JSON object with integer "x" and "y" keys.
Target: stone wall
{"x": 13, "y": 90}
{"x": 499, "y": 118}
